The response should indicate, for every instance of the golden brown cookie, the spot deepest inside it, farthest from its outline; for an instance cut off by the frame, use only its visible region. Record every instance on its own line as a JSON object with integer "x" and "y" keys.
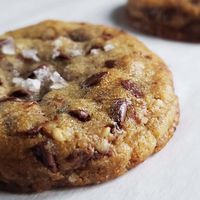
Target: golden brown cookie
{"x": 173, "y": 19}
{"x": 79, "y": 104}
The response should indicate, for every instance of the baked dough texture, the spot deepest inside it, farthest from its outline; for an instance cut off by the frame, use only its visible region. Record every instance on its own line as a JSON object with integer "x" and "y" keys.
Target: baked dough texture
{"x": 80, "y": 104}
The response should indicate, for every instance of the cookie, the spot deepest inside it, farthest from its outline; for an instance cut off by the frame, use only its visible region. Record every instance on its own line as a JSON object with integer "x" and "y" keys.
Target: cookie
{"x": 80, "y": 104}
{"x": 172, "y": 19}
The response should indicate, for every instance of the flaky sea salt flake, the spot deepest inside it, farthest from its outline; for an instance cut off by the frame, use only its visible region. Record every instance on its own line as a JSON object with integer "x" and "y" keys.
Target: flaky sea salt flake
{"x": 108, "y": 47}
{"x": 30, "y": 54}
{"x": 7, "y": 46}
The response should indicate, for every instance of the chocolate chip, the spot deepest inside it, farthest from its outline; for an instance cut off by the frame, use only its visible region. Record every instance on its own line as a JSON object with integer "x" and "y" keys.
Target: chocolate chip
{"x": 62, "y": 57}
{"x": 21, "y": 94}
{"x": 107, "y": 36}
{"x": 81, "y": 115}
{"x": 31, "y": 132}
{"x": 45, "y": 153}
{"x": 118, "y": 111}
{"x": 79, "y": 158}
{"x": 93, "y": 80}
{"x": 110, "y": 63}
{"x": 133, "y": 88}
{"x": 79, "y": 35}
{"x": 195, "y": 2}
{"x": 98, "y": 155}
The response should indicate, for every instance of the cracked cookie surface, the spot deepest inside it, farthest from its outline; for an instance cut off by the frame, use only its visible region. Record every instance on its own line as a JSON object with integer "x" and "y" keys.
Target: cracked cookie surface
{"x": 79, "y": 104}
{"x": 173, "y": 19}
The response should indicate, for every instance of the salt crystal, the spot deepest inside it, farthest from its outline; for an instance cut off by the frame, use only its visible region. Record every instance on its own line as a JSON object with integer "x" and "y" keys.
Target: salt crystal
{"x": 57, "y": 45}
{"x": 7, "y": 46}
{"x": 58, "y": 42}
{"x": 58, "y": 81}
{"x": 42, "y": 73}
{"x": 108, "y": 47}
{"x": 32, "y": 85}
{"x": 30, "y": 54}
{"x": 75, "y": 52}
{"x": 95, "y": 51}
{"x": 56, "y": 53}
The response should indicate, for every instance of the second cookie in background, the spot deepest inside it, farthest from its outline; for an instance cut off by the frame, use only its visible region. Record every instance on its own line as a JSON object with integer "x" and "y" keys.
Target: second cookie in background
{"x": 172, "y": 19}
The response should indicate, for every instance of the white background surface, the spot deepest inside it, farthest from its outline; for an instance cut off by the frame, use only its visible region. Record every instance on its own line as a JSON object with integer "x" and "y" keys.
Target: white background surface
{"x": 173, "y": 173}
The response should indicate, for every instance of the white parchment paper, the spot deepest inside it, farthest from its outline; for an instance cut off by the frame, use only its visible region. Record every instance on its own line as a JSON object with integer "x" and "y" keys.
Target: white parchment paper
{"x": 173, "y": 173}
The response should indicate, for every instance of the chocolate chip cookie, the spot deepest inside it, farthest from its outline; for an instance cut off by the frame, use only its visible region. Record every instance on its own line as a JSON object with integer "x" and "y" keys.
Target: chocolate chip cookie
{"x": 79, "y": 104}
{"x": 173, "y": 19}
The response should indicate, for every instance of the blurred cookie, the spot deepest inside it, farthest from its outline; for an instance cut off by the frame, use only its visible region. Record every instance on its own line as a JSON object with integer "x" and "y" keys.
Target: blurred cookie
{"x": 173, "y": 19}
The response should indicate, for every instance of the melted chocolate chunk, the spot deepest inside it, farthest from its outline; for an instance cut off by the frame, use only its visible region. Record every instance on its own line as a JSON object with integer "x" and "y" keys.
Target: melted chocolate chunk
{"x": 111, "y": 63}
{"x": 79, "y": 158}
{"x": 196, "y": 2}
{"x": 81, "y": 115}
{"x": 21, "y": 94}
{"x": 31, "y": 132}
{"x": 62, "y": 57}
{"x": 45, "y": 153}
{"x": 94, "y": 80}
{"x": 79, "y": 35}
{"x": 118, "y": 111}
{"x": 133, "y": 88}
